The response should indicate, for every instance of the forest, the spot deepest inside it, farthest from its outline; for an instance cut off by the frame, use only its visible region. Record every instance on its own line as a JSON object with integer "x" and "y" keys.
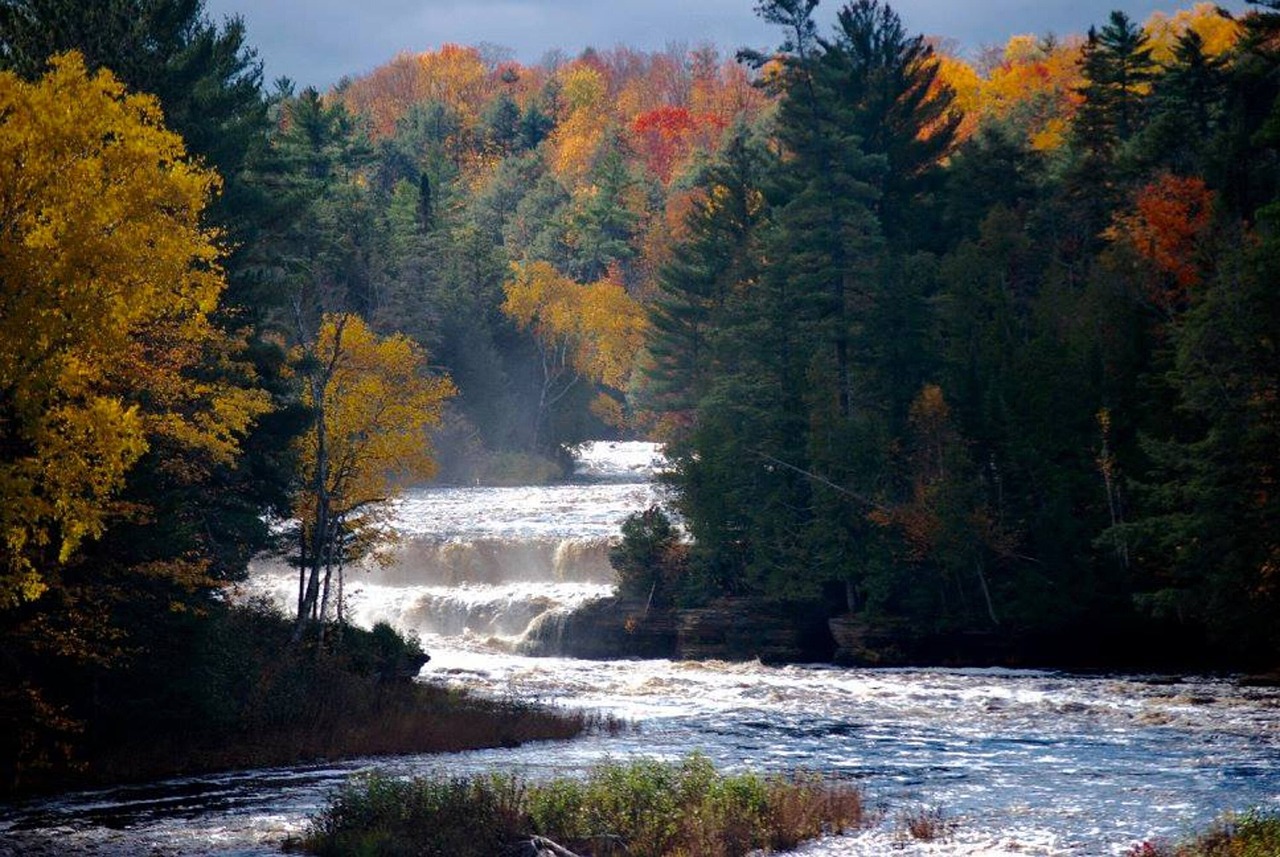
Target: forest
{"x": 962, "y": 341}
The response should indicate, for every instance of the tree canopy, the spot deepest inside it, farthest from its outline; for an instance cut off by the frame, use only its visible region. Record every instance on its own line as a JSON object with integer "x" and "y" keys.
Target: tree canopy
{"x": 109, "y": 282}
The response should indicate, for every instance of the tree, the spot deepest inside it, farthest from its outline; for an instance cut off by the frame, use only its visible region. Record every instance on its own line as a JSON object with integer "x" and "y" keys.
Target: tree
{"x": 1035, "y": 88}
{"x": 601, "y": 223}
{"x": 372, "y": 406}
{"x": 109, "y": 280}
{"x": 208, "y": 82}
{"x": 716, "y": 260}
{"x": 1169, "y": 227}
{"x": 1206, "y": 532}
{"x": 588, "y": 333}
{"x": 1188, "y": 105}
{"x": 1118, "y": 70}
{"x": 886, "y": 87}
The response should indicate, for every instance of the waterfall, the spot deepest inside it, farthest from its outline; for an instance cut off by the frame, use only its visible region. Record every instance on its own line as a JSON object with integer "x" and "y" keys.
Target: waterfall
{"x": 482, "y": 566}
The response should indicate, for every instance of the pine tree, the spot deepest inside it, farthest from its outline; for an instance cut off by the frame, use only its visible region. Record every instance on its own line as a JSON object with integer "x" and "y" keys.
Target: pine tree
{"x": 886, "y": 88}
{"x": 1188, "y": 107}
{"x": 1207, "y": 538}
{"x": 718, "y": 260}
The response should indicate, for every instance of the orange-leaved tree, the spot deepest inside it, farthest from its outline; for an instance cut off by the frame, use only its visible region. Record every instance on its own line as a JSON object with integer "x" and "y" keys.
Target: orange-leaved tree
{"x": 373, "y": 404}
{"x": 1168, "y": 227}
{"x": 107, "y": 280}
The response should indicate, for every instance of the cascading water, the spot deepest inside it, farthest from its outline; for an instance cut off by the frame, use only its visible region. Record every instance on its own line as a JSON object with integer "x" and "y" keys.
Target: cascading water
{"x": 1025, "y": 762}
{"x": 477, "y": 566}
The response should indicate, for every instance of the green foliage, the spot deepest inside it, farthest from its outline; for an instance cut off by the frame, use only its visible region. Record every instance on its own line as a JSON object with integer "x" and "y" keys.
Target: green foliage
{"x": 1100, "y": 403}
{"x": 645, "y": 808}
{"x": 884, "y": 86}
{"x": 701, "y": 283}
{"x": 651, "y": 560}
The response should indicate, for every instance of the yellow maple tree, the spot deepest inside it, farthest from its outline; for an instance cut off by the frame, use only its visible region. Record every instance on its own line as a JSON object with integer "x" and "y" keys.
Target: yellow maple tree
{"x": 581, "y": 129}
{"x": 1036, "y": 85}
{"x": 107, "y": 280}
{"x": 373, "y": 404}
{"x": 1219, "y": 32}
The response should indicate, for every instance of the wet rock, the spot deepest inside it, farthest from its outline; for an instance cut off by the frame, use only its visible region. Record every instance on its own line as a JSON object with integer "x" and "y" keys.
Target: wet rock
{"x": 729, "y": 629}
{"x": 738, "y": 629}
{"x": 860, "y": 642}
{"x": 608, "y": 629}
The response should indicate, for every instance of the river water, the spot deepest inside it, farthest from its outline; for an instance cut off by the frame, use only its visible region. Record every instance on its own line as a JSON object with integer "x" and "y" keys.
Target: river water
{"x": 1019, "y": 762}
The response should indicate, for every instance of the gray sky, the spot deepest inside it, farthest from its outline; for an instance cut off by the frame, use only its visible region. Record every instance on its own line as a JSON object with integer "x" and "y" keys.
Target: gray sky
{"x": 316, "y": 42}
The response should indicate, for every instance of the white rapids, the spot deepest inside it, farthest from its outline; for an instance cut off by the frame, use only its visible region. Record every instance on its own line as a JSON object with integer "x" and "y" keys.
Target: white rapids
{"x": 1019, "y": 762}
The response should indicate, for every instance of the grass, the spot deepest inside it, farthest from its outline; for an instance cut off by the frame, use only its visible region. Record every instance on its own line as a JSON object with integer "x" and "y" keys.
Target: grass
{"x": 641, "y": 809}
{"x": 1254, "y": 834}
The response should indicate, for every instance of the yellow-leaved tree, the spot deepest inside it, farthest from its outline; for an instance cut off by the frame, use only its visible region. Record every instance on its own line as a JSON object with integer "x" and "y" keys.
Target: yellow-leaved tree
{"x": 591, "y": 332}
{"x": 107, "y": 280}
{"x": 373, "y": 404}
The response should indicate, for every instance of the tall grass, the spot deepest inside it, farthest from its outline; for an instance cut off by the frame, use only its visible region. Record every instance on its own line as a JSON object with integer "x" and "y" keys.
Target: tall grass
{"x": 640, "y": 809}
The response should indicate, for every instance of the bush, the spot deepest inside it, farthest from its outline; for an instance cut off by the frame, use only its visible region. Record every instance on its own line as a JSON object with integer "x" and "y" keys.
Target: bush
{"x": 651, "y": 560}
{"x": 1253, "y": 834}
{"x": 638, "y": 809}
{"x": 231, "y": 691}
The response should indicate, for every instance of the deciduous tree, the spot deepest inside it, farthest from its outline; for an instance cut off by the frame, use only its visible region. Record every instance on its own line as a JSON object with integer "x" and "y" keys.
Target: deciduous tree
{"x": 109, "y": 280}
{"x": 372, "y": 404}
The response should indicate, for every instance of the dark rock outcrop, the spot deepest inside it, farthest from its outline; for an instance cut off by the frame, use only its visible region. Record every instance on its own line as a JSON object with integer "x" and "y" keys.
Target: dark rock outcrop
{"x": 608, "y": 629}
{"x": 733, "y": 629}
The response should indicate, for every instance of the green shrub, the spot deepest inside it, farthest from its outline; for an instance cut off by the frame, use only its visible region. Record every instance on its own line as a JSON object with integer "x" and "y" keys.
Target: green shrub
{"x": 651, "y": 559}
{"x": 642, "y": 809}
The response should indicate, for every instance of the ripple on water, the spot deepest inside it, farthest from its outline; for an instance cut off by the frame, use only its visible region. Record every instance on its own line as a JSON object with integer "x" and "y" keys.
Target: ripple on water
{"x": 1027, "y": 762}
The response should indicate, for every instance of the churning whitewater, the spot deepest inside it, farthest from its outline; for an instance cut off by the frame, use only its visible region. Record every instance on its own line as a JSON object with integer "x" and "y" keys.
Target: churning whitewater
{"x": 1019, "y": 762}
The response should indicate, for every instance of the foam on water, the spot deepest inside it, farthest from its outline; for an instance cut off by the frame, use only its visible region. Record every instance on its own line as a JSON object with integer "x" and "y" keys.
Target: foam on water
{"x": 1023, "y": 762}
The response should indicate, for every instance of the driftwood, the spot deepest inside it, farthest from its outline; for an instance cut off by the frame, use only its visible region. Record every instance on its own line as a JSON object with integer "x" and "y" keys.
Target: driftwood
{"x": 541, "y": 846}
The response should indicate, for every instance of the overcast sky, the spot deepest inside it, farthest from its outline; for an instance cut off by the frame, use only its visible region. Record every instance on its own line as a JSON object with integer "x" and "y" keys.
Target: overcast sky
{"x": 316, "y": 42}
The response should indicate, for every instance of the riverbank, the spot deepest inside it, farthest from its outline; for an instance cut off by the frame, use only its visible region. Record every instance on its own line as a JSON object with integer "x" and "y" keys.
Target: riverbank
{"x": 230, "y": 691}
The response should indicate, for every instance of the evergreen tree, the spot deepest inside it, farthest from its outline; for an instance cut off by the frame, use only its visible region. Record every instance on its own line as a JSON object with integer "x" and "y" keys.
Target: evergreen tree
{"x": 1117, "y": 67}
{"x": 601, "y": 223}
{"x": 1207, "y": 540}
{"x": 717, "y": 261}
{"x": 1188, "y": 108}
{"x": 886, "y": 86}
{"x": 502, "y": 119}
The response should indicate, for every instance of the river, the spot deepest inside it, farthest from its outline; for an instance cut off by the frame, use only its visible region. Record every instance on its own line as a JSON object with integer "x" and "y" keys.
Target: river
{"x": 1019, "y": 762}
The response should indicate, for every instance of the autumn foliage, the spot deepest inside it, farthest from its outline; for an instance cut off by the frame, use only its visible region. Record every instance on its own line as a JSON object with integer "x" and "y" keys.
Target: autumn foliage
{"x": 597, "y": 329}
{"x": 109, "y": 281}
{"x": 666, "y": 136}
{"x": 1167, "y": 227}
{"x": 374, "y": 404}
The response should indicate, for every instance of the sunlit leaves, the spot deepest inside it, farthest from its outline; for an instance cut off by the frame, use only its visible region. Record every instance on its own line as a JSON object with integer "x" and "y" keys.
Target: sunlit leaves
{"x": 374, "y": 404}
{"x": 108, "y": 280}
{"x": 1036, "y": 87}
{"x": 1218, "y": 32}
{"x": 598, "y": 327}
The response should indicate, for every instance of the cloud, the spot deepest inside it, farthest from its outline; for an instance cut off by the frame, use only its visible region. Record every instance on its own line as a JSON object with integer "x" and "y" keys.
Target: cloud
{"x": 317, "y": 42}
